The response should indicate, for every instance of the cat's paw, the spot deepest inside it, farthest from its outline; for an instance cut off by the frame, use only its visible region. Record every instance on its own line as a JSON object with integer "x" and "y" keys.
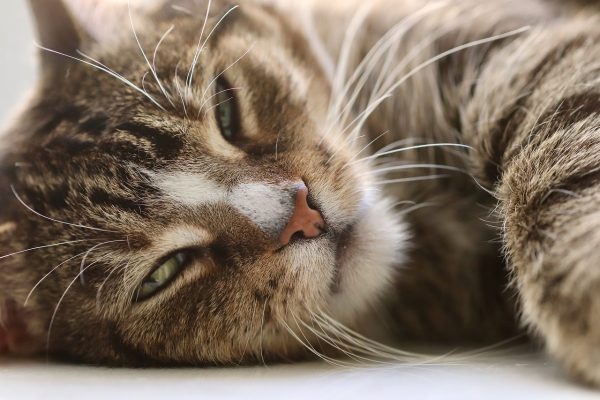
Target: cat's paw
{"x": 577, "y": 347}
{"x": 560, "y": 295}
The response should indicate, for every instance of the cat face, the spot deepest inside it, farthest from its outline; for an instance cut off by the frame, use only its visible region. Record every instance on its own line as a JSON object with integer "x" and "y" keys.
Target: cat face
{"x": 186, "y": 168}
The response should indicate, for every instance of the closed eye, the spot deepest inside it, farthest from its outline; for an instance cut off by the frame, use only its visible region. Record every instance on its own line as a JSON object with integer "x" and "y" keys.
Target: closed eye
{"x": 227, "y": 110}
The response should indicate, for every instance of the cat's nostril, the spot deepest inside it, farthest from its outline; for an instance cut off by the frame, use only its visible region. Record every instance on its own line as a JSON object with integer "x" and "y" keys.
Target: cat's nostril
{"x": 305, "y": 223}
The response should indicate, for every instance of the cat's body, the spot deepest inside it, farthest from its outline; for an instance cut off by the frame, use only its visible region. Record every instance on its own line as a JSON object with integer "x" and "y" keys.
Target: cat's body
{"x": 505, "y": 91}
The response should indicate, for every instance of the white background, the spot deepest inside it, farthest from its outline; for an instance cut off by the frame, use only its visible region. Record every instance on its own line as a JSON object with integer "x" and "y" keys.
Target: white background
{"x": 17, "y": 61}
{"x": 527, "y": 377}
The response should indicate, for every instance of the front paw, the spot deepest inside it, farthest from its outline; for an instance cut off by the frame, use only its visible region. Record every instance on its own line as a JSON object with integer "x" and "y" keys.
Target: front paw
{"x": 559, "y": 283}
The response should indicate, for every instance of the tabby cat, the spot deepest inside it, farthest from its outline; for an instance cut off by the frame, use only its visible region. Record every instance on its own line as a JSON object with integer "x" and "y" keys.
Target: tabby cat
{"x": 199, "y": 182}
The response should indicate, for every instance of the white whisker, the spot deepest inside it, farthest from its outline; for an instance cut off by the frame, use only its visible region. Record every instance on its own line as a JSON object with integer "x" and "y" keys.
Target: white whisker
{"x": 198, "y": 48}
{"x": 135, "y": 35}
{"x": 108, "y": 71}
{"x": 445, "y": 54}
{"x": 101, "y": 287}
{"x": 48, "y": 274}
{"x": 81, "y": 267}
{"x": 368, "y": 63}
{"x": 44, "y": 247}
{"x": 222, "y": 72}
{"x": 163, "y": 37}
{"x": 52, "y": 219}
{"x": 182, "y": 9}
{"x": 355, "y": 24}
{"x": 361, "y": 150}
{"x": 413, "y": 179}
{"x": 209, "y": 36}
{"x": 218, "y": 93}
{"x": 416, "y": 147}
{"x": 62, "y": 297}
{"x": 180, "y": 90}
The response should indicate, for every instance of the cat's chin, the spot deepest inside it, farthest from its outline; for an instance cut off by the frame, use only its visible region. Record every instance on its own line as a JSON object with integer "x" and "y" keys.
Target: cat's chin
{"x": 369, "y": 252}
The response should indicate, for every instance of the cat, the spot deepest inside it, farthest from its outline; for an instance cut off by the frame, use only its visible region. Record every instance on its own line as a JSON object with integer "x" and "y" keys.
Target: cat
{"x": 200, "y": 182}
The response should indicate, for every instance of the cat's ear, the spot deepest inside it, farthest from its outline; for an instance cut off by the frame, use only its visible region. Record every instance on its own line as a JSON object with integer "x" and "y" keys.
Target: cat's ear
{"x": 57, "y": 30}
{"x": 66, "y": 26}
{"x": 15, "y": 336}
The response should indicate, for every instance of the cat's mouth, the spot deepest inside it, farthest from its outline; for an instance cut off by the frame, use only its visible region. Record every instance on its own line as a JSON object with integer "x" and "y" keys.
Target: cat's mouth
{"x": 344, "y": 242}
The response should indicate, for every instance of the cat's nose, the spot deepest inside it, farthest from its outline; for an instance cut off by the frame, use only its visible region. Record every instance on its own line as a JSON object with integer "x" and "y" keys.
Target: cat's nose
{"x": 305, "y": 222}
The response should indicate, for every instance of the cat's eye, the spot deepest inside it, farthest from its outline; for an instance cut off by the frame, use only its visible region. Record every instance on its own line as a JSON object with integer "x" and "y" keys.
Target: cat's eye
{"x": 227, "y": 111}
{"x": 162, "y": 276}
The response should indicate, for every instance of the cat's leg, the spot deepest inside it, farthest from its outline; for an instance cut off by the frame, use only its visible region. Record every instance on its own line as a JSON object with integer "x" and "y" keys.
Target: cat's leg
{"x": 534, "y": 122}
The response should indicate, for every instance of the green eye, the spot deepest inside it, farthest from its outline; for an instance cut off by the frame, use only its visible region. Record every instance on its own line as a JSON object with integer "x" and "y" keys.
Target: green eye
{"x": 226, "y": 110}
{"x": 163, "y": 275}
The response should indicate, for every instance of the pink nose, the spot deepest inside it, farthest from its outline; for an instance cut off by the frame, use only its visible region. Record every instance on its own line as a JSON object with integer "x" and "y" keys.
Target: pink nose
{"x": 304, "y": 220}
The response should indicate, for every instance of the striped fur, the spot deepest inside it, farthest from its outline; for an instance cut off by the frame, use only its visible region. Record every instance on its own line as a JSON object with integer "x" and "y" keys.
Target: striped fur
{"x": 116, "y": 164}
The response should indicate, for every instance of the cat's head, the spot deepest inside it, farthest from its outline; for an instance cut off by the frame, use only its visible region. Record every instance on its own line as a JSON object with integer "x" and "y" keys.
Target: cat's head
{"x": 187, "y": 194}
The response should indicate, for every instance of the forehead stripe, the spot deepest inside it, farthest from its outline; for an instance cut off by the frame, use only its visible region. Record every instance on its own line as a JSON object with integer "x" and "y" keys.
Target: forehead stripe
{"x": 167, "y": 145}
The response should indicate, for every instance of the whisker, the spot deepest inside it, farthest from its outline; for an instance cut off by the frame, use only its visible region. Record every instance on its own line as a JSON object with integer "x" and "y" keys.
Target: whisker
{"x": 52, "y": 219}
{"x": 409, "y": 148}
{"x": 222, "y": 72}
{"x": 364, "y": 148}
{"x": 355, "y": 24}
{"x": 447, "y": 53}
{"x": 81, "y": 267}
{"x": 218, "y": 104}
{"x": 181, "y": 9}
{"x": 210, "y": 35}
{"x": 101, "y": 287}
{"x": 180, "y": 90}
{"x": 198, "y": 47}
{"x": 362, "y": 340}
{"x": 310, "y": 348}
{"x": 62, "y": 297}
{"x": 218, "y": 93}
{"x": 363, "y": 116}
{"x": 45, "y": 247}
{"x": 417, "y": 166}
{"x": 135, "y": 35}
{"x": 262, "y": 330}
{"x": 47, "y": 275}
{"x": 338, "y": 345}
{"x": 163, "y": 37}
{"x": 413, "y": 179}
{"x": 365, "y": 67}
{"x": 416, "y": 207}
{"x": 108, "y": 71}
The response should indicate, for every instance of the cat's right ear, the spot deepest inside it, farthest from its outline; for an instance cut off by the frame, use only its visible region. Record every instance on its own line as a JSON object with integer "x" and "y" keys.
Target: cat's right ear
{"x": 57, "y": 32}
{"x": 66, "y": 26}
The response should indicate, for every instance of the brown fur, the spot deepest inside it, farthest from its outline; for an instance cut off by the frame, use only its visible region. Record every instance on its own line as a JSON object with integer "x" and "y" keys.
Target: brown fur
{"x": 518, "y": 204}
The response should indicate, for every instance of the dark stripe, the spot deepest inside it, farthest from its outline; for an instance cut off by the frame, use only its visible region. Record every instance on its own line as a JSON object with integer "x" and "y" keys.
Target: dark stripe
{"x": 56, "y": 197}
{"x": 514, "y": 116}
{"x": 128, "y": 151}
{"x": 45, "y": 201}
{"x": 71, "y": 145}
{"x": 68, "y": 113}
{"x": 95, "y": 124}
{"x": 166, "y": 145}
{"x": 569, "y": 111}
{"x": 101, "y": 198}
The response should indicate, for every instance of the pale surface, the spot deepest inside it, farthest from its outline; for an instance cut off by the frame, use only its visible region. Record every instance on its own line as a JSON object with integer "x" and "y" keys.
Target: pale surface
{"x": 529, "y": 378}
